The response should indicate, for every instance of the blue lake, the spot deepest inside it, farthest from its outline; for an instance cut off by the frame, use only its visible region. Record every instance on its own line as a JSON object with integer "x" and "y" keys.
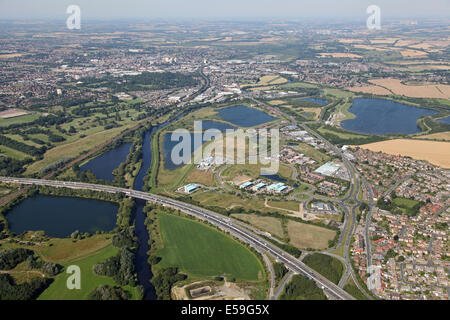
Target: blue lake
{"x": 445, "y": 120}
{"x": 60, "y": 216}
{"x": 244, "y": 116}
{"x": 103, "y": 165}
{"x": 275, "y": 177}
{"x": 318, "y": 101}
{"x": 168, "y": 144}
{"x": 379, "y": 116}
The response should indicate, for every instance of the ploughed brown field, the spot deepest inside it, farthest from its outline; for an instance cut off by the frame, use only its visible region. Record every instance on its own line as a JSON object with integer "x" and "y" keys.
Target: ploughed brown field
{"x": 435, "y": 152}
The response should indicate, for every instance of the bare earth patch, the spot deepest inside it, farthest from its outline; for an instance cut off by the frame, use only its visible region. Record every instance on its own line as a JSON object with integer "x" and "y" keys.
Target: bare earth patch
{"x": 12, "y": 113}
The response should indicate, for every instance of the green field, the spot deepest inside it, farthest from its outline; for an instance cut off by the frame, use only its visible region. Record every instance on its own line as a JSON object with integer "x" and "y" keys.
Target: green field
{"x": 13, "y": 153}
{"x": 17, "y": 120}
{"x": 201, "y": 251}
{"x": 89, "y": 281}
{"x": 405, "y": 203}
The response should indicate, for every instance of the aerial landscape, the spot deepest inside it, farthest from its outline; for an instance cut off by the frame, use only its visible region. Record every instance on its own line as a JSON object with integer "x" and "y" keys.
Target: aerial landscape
{"x": 248, "y": 157}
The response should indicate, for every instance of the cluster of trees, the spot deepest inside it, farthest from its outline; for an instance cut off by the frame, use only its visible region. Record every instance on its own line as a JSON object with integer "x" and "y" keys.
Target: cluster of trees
{"x": 9, "y": 290}
{"x": 121, "y": 267}
{"x": 391, "y": 206}
{"x": 328, "y": 109}
{"x": 125, "y": 213}
{"x": 164, "y": 281}
{"x": 329, "y": 267}
{"x": 89, "y": 194}
{"x": 10, "y": 166}
{"x": 20, "y": 146}
{"x": 301, "y": 288}
{"x": 280, "y": 270}
{"x": 10, "y": 258}
{"x": 144, "y": 81}
{"x": 49, "y": 268}
{"x": 107, "y": 292}
{"x": 435, "y": 126}
{"x": 56, "y": 165}
{"x": 126, "y": 237}
{"x": 50, "y": 120}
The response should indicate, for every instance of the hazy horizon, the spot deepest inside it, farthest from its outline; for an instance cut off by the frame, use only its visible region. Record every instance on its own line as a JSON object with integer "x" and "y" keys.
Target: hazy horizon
{"x": 231, "y": 9}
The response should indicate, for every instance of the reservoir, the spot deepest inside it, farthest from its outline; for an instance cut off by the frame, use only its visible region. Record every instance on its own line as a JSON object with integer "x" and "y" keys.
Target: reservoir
{"x": 445, "y": 120}
{"x": 244, "y": 116}
{"x": 103, "y": 165}
{"x": 275, "y": 177}
{"x": 60, "y": 216}
{"x": 168, "y": 145}
{"x": 320, "y": 102}
{"x": 379, "y": 116}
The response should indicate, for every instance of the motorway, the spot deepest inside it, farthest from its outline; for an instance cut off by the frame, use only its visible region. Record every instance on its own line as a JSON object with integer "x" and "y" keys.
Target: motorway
{"x": 224, "y": 223}
{"x": 352, "y": 195}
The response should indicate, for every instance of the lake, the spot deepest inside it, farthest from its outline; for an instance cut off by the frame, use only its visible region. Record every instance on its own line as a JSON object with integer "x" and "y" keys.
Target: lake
{"x": 380, "y": 116}
{"x": 320, "y": 102}
{"x": 103, "y": 165}
{"x": 445, "y": 120}
{"x": 168, "y": 145}
{"x": 275, "y": 177}
{"x": 244, "y": 116}
{"x": 60, "y": 216}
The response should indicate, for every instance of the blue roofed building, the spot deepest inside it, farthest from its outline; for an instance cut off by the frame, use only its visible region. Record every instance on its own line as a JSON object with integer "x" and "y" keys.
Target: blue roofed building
{"x": 245, "y": 185}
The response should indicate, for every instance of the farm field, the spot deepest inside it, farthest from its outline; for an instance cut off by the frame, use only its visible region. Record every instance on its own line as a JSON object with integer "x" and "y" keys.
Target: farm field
{"x": 395, "y": 86}
{"x": 436, "y": 152}
{"x": 201, "y": 251}
{"x": 269, "y": 224}
{"x": 89, "y": 281}
{"x": 305, "y": 236}
{"x": 438, "y": 136}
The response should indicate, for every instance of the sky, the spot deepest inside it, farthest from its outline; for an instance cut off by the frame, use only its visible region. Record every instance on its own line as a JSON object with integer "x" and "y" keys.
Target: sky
{"x": 216, "y": 9}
